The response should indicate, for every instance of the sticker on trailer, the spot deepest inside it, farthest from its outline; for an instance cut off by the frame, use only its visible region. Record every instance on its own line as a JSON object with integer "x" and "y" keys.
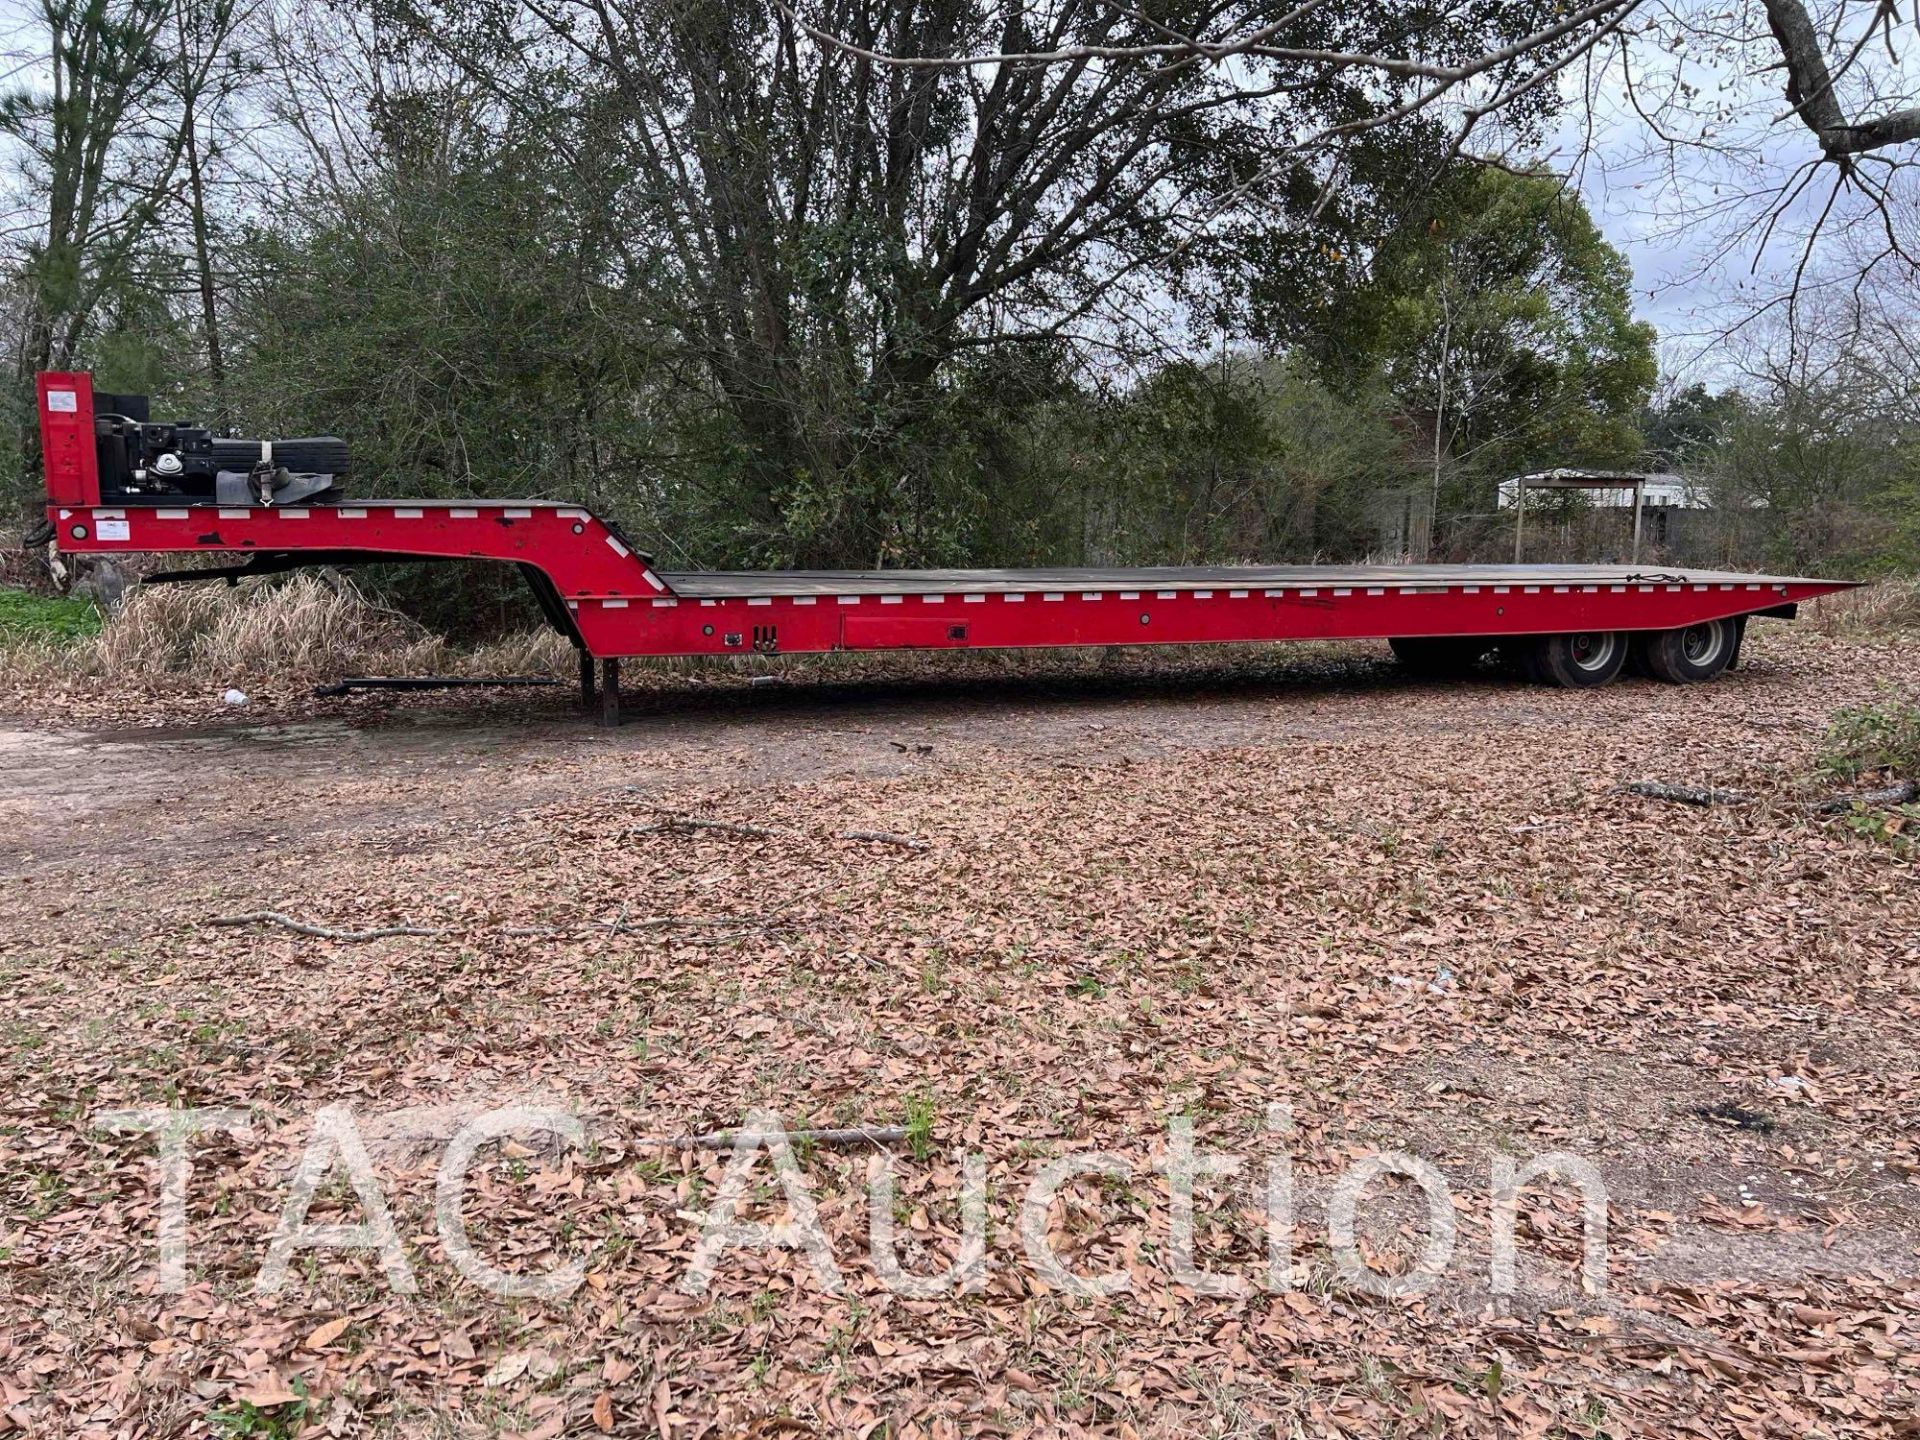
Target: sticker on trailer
{"x": 63, "y": 402}
{"x": 112, "y": 530}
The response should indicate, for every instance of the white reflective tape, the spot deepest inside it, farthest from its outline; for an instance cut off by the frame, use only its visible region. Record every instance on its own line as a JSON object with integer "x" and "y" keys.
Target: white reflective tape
{"x": 464, "y": 514}
{"x": 291, "y": 514}
{"x": 171, "y": 514}
{"x": 1309, "y": 594}
{"x": 666, "y": 604}
{"x": 760, "y": 600}
{"x": 351, "y": 514}
{"x": 1014, "y": 599}
{"x": 849, "y": 599}
{"x": 1529, "y": 589}
{"x": 407, "y": 514}
{"x": 806, "y": 600}
{"x": 1129, "y": 594}
{"x": 933, "y": 599}
{"x": 1089, "y": 594}
{"x": 1053, "y": 595}
{"x": 708, "y": 604}
{"x": 574, "y": 515}
{"x": 109, "y": 514}
{"x": 518, "y": 514}
{"x": 1753, "y": 587}
{"x": 1339, "y": 592}
{"x": 1203, "y": 594}
{"x": 614, "y": 604}
{"x": 1236, "y": 594}
{"x": 1503, "y": 589}
{"x": 617, "y": 548}
{"x": 1274, "y": 594}
{"x": 891, "y": 599}
{"x": 1165, "y": 594}
{"x": 1376, "y": 590}
{"x": 1469, "y": 589}
{"x": 974, "y": 599}
{"x": 654, "y": 580}
{"x": 233, "y": 514}
{"x": 1560, "y": 590}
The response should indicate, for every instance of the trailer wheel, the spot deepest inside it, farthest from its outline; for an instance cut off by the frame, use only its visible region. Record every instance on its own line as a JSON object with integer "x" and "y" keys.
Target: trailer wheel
{"x": 1689, "y": 654}
{"x": 1580, "y": 660}
{"x": 1439, "y": 655}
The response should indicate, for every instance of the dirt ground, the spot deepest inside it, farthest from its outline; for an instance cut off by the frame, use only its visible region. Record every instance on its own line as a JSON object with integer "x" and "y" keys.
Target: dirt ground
{"x": 1417, "y": 916}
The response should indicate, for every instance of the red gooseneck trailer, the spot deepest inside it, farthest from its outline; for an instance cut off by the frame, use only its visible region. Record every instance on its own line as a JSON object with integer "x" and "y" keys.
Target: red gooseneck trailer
{"x": 116, "y": 482}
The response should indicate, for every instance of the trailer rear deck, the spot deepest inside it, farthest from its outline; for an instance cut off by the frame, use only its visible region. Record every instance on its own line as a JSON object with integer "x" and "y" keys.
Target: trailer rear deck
{"x": 1570, "y": 624}
{"x": 758, "y": 584}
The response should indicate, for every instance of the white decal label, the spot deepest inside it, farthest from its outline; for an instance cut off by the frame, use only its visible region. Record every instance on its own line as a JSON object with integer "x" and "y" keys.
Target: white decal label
{"x": 63, "y": 402}
{"x": 112, "y": 530}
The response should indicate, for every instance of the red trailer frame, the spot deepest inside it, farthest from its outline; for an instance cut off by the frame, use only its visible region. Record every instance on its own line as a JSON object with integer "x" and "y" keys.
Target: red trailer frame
{"x": 608, "y": 597}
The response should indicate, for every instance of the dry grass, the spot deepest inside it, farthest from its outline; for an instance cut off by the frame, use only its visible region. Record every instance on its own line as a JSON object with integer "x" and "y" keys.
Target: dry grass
{"x": 298, "y": 627}
{"x": 1885, "y": 605}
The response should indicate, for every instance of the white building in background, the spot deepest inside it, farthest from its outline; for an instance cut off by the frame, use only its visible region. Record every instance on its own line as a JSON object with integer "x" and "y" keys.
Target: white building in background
{"x": 1657, "y": 491}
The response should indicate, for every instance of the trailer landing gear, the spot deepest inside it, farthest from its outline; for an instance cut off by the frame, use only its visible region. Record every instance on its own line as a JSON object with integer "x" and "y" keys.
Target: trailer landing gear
{"x": 606, "y": 705}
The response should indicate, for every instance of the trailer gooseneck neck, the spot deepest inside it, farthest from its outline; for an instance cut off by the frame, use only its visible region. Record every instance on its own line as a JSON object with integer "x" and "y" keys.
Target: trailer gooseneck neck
{"x": 1573, "y": 625}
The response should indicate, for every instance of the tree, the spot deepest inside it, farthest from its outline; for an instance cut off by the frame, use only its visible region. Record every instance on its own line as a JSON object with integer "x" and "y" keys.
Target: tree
{"x": 1687, "y": 424}
{"x": 1847, "y": 88}
{"x": 836, "y": 232}
{"x": 101, "y": 150}
{"x": 1504, "y": 328}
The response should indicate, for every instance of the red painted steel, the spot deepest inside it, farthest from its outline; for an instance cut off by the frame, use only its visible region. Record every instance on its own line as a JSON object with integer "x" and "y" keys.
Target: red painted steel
{"x": 66, "y": 439}
{"x": 622, "y": 606}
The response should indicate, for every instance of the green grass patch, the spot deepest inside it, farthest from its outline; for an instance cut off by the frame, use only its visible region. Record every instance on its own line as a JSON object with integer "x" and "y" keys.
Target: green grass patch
{"x": 28, "y": 617}
{"x": 1869, "y": 738}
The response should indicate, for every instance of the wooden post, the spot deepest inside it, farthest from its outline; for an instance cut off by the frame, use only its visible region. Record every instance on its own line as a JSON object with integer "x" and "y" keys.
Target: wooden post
{"x": 1639, "y": 495}
{"x": 1519, "y": 519}
{"x": 587, "y": 696}
{"x": 610, "y": 693}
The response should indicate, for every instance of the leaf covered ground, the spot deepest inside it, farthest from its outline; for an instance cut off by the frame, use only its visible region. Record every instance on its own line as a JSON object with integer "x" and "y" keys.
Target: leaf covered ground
{"x": 1417, "y": 916}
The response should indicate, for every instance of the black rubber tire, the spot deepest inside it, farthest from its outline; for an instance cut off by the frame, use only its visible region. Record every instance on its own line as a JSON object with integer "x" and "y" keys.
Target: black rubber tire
{"x": 1690, "y": 654}
{"x": 1439, "y": 655}
{"x": 313, "y": 455}
{"x": 1578, "y": 661}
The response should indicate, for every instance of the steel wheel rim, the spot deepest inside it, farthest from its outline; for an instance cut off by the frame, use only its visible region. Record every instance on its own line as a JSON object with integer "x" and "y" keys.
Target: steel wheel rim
{"x": 1700, "y": 644}
{"x": 1592, "y": 649}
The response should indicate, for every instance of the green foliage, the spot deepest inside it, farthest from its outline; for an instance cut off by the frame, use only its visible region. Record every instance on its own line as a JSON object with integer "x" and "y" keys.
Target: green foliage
{"x": 1894, "y": 828}
{"x": 1822, "y": 474}
{"x": 1244, "y": 460}
{"x": 42, "y": 618}
{"x": 247, "y": 1421}
{"x": 1868, "y": 739}
{"x": 920, "y": 1117}
{"x": 1685, "y": 427}
{"x": 1502, "y": 325}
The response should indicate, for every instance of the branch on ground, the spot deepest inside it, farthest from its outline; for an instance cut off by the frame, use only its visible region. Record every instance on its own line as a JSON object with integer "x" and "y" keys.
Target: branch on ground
{"x": 1905, "y": 792}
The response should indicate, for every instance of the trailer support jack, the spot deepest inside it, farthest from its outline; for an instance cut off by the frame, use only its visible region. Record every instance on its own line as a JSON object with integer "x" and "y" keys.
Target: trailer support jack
{"x": 610, "y": 693}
